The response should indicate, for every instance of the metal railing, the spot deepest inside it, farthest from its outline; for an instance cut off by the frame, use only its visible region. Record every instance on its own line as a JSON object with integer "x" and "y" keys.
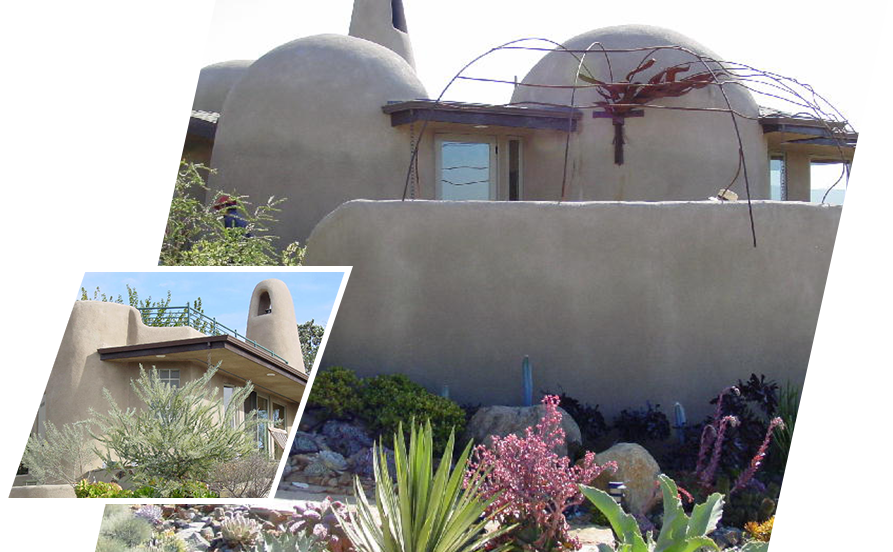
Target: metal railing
{"x": 188, "y": 316}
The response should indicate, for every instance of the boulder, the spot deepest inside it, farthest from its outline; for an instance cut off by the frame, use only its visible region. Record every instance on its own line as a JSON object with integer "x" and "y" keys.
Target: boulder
{"x": 304, "y": 443}
{"x": 505, "y": 420}
{"x": 637, "y": 469}
{"x": 345, "y": 438}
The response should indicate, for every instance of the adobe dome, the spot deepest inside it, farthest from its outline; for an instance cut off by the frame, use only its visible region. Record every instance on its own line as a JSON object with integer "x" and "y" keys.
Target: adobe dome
{"x": 668, "y": 154}
{"x": 306, "y": 123}
{"x": 215, "y": 82}
{"x": 559, "y": 68}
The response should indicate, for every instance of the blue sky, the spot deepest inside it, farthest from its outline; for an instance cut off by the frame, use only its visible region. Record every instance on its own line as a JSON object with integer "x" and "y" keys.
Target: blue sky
{"x": 225, "y": 294}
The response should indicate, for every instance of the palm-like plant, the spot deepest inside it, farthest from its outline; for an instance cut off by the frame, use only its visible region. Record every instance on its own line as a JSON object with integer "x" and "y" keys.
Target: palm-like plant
{"x": 424, "y": 510}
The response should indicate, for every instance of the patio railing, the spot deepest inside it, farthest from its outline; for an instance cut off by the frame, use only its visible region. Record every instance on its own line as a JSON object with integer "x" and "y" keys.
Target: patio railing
{"x": 188, "y": 316}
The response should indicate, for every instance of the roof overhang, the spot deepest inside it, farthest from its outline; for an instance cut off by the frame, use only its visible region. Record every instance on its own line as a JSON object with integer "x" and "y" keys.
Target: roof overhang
{"x": 825, "y": 141}
{"x": 203, "y": 124}
{"x": 236, "y": 358}
{"x": 404, "y": 113}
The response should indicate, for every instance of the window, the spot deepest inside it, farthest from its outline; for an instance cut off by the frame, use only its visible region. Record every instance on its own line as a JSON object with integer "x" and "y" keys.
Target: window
{"x": 170, "y": 377}
{"x": 466, "y": 167}
{"x": 778, "y": 189}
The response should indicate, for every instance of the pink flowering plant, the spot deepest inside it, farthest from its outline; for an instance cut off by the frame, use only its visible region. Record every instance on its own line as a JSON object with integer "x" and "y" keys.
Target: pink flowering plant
{"x": 531, "y": 485}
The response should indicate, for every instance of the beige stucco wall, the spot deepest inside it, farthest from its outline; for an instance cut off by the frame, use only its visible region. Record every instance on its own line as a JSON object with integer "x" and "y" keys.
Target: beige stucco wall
{"x": 78, "y": 377}
{"x": 616, "y": 303}
{"x": 372, "y": 20}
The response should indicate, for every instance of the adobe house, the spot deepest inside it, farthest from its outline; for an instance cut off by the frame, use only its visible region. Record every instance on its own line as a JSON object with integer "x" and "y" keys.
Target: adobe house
{"x": 105, "y": 344}
{"x": 559, "y": 225}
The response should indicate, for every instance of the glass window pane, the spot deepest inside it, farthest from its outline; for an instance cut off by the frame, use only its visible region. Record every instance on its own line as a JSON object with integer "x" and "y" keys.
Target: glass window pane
{"x": 777, "y": 189}
{"x": 465, "y": 170}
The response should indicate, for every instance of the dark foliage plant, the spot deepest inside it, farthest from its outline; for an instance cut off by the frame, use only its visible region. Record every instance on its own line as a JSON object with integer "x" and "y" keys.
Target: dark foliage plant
{"x": 647, "y": 424}
{"x": 755, "y": 403}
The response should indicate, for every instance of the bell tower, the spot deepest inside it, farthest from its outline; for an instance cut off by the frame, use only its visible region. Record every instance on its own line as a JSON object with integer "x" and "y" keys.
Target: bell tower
{"x": 272, "y": 322}
{"x": 382, "y": 22}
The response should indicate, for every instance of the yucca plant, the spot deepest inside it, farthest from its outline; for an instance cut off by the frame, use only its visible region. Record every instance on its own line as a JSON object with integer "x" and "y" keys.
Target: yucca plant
{"x": 679, "y": 533}
{"x": 421, "y": 510}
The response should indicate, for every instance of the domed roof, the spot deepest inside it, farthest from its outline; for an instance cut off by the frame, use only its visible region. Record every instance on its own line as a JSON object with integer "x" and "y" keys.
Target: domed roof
{"x": 305, "y": 123}
{"x": 558, "y": 67}
{"x": 215, "y": 82}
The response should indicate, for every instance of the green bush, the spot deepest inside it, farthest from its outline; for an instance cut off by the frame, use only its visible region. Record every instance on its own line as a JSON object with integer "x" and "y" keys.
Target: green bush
{"x": 337, "y": 391}
{"x": 100, "y": 489}
{"x": 121, "y": 530}
{"x": 61, "y": 455}
{"x": 391, "y": 399}
{"x": 383, "y": 402}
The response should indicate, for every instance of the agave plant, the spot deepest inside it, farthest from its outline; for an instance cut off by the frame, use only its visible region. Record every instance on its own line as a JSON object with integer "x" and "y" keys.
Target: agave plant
{"x": 424, "y": 510}
{"x": 679, "y": 533}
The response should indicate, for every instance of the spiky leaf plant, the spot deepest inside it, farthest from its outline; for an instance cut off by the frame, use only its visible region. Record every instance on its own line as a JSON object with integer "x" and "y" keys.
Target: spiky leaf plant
{"x": 679, "y": 533}
{"x": 422, "y": 509}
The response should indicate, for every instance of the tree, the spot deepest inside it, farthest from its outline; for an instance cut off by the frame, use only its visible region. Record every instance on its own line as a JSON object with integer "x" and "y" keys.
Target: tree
{"x": 61, "y": 456}
{"x": 311, "y": 336}
{"x": 180, "y": 435}
{"x": 196, "y": 234}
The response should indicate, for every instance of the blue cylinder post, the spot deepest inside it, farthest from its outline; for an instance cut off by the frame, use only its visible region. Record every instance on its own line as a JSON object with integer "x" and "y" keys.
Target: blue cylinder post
{"x": 527, "y": 375}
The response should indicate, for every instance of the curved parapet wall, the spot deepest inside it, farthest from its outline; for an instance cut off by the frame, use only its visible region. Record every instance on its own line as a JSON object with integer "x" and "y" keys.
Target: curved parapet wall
{"x": 668, "y": 154}
{"x": 615, "y": 303}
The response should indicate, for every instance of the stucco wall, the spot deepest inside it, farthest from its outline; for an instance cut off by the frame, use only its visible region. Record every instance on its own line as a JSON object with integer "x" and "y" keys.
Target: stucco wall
{"x": 616, "y": 303}
{"x": 78, "y": 377}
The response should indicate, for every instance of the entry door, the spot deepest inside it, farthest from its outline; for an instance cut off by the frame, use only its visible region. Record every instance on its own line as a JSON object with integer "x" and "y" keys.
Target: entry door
{"x": 466, "y": 167}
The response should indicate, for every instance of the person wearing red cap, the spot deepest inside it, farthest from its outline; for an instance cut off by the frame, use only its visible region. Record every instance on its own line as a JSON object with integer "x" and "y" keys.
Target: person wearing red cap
{"x": 231, "y": 217}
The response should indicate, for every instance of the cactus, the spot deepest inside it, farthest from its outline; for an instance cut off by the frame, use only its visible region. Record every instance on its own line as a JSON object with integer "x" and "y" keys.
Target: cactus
{"x": 238, "y": 530}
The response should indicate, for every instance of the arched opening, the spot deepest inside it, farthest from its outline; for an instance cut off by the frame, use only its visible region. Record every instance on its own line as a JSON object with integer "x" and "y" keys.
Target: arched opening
{"x": 263, "y": 305}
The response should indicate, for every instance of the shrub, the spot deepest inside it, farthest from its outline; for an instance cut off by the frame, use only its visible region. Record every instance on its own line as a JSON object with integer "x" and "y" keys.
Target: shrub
{"x": 310, "y": 335}
{"x": 649, "y": 423}
{"x": 121, "y": 530}
{"x": 196, "y": 234}
{"x": 389, "y": 400}
{"x": 528, "y": 484}
{"x": 426, "y": 510}
{"x": 337, "y": 391}
{"x": 248, "y": 476}
{"x": 100, "y": 489}
{"x": 61, "y": 456}
{"x": 180, "y": 434}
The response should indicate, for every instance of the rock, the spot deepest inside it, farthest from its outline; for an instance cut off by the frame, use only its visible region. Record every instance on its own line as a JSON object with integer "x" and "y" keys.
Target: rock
{"x": 333, "y": 460}
{"x": 505, "y": 420}
{"x": 304, "y": 443}
{"x": 727, "y": 537}
{"x": 637, "y": 469}
{"x": 315, "y": 469}
{"x": 197, "y": 542}
{"x": 345, "y": 438}
{"x": 361, "y": 462}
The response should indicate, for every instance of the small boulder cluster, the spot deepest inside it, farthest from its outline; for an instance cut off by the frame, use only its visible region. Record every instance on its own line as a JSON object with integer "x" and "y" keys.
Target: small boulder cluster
{"x": 325, "y": 462}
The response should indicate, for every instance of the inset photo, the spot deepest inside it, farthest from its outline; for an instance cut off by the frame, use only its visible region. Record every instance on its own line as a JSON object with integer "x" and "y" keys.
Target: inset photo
{"x": 177, "y": 384}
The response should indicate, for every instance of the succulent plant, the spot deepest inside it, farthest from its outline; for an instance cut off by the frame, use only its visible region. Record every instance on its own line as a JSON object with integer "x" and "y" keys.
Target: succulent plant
{"x": 239, "y": 530}
{"x": 168, "y": 541}
{"x": 150, "y": 513}
{"x": 288, "y": 542}
{"x": 321, "y": 522}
